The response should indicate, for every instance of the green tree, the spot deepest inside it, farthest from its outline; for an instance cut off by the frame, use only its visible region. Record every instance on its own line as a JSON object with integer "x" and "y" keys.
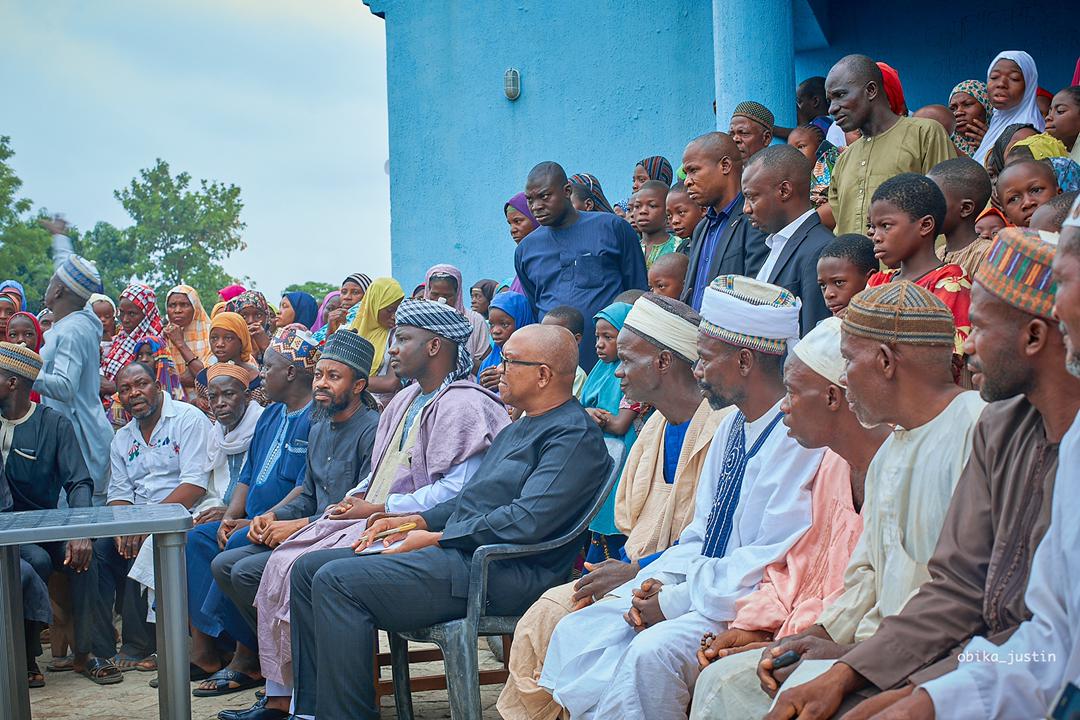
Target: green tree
{"x": 24, "y": 246}
{"x": 318, "y": 290}
{"x": 180, "y": 234}
{"x": 113, "y": 251}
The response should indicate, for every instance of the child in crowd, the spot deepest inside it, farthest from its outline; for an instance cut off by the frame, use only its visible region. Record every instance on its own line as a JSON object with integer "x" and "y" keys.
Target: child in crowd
{"x": 1050, "y": 216}
{"x": 843, "y": 269}
{"x": 667, "y": 276}
{"x": 806, "y": 139}
{"x": 1022, "y": 187}
{"x": 570, "y": 317}
{"x": 989, "y": 222}
{"x": 45, "y": 317}
{"x": 652, "y": 223}
{"x": 508, "y": 312}
{"x": 683, "y": 214}
{"x": 966, "y": 187}
{"x": 906, "y": 214}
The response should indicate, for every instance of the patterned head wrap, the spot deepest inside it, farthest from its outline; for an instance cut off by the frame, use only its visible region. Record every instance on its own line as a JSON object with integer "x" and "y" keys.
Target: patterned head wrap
{"x": 20, "y": 360}
{"x": 346, "y": 346}
{"x": 383, "y": 293}
{"x": 197, "y": 333}
{"x": 755, "y": 112}
{"x": 977, "y": 90}
{"x": 820, "y": 350}
{"x": 33, "y": 321}
{"x": 593, "y": 190}
{"x": 1017, "y": 270}
{"x": 900, "y": 313}
{"x": 123, "y": 349}
{"x": 162, "y": 362}
{"x": 749, "y": 313}
{"x": 229, "y": 369}
{"x": 442, "y": 272}
{"x": 666, "y": 323}
{"x": 359, "y": 279}
{"x": 297, "y": 346}
{"x": 657, "y": 167}
{"x": 444, "y": 322}
{"x": 79, "y": 275}
{"x": 251, "y": 298}
{"x": 234, "y": 323}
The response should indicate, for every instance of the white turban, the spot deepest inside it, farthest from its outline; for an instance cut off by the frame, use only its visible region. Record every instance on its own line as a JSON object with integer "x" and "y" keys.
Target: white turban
{"x": 820, "y": 350}
{"x": 664, "y": 327}
{"x": 750, "y": 313}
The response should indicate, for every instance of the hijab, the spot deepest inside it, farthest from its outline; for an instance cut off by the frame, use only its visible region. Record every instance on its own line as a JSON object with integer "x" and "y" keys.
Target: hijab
{"x": 382, "y": 293}
{"x": 164, "y": 367}
{"x": 37, "y": 327}
{"x": 481, "y": 336}
{"x": 592, "y": 187}
{"x": 228, "y": 292}
{"x": 1024, "y": 112}
{"x": 516, "y": 306}
{"x": 445, "y": 271}
{"x": 320, "y": 321}
{"x": 123, "y": 349}
{"x": 977, "y": 90}
{"x": 251, "y": 298}
{"x": 657, "y": 167}
{"x": 234, "y": 323}
{"x": 197, "y": 333}
{"x": 305, "y": 308}
{"x": 519, "y": 203}
{"x": 486, "y": 287}
{"x": 13, "y": 287}
{"x": 602, "y": 389}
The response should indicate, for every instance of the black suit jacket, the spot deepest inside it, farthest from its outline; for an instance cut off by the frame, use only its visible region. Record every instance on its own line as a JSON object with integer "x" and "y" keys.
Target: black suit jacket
{"x": 740, "y": 250}
{"x": 796, "y": 270}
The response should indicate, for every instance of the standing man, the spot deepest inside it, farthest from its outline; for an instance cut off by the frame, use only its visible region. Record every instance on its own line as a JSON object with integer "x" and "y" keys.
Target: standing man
{"x": 579, "y": 259}
{"x": 751, "y": 128}
{"x": 812, "y": 107}
{"x": 776, "y": 189}
{"x": 724, "y": 242}
{"x": 70, "y": 379}
{"x": 890, "y": 144}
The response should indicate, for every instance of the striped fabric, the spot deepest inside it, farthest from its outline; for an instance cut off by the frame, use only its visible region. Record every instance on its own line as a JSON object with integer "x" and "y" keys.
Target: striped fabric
{"x": 297, "y": 345}
{"x": 657, "y": 167}
{"x": 444, "y": 321}
{"x": 596, "y": 192}
{"x": 762, "y": 305}
{"x": 900, "y": 313}
{"x": 1017, "y": 270}
{"x": 20, "y": 360}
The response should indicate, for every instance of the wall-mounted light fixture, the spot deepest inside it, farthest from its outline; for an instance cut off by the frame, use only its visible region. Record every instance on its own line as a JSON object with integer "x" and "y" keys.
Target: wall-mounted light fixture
{"x": 512, "y": 83}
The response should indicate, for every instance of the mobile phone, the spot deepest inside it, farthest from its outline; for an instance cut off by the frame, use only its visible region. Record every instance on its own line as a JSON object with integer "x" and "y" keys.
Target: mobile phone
{"x": 789, "y": 658}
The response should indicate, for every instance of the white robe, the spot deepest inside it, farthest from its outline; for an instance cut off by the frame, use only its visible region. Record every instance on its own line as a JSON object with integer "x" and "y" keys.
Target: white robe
{"x": 596, "y": 666}
{"x": 1023, "y": 676}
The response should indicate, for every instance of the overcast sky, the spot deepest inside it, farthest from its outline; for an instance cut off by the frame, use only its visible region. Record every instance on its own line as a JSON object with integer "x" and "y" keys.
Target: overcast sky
{"x": 285, "y": 98}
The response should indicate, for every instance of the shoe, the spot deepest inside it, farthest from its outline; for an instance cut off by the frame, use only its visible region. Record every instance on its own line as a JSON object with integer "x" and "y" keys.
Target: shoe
{"x": 260, "y": 704}
{"x": 257, "y": 712}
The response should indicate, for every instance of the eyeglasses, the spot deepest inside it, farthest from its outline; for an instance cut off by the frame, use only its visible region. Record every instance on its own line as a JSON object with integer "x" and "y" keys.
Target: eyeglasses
{"x": 511, "y": 361}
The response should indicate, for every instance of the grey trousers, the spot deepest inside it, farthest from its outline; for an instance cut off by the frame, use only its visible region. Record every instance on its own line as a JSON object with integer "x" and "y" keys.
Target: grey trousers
{"x": 238, "y": 573}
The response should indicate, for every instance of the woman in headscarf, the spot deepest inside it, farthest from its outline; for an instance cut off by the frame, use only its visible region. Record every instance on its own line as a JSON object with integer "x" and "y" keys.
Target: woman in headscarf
{"x": 9, "y": 305}
{"x": 480, "y": 295}
{"x": 352, "y": 292}
{"x": 230, "y": 342}
{"x": 1012, "y": 81}
{"x": 153, "y": 350}
{"x": 374, "y": 323}
{"x": 298, "y": 308}
{"x": 509, "y": 312}
{"x": 331, "y": 302}
{"x": 15, "y": 289}
{"x": 970, "y": 105}
{"x": 139, "y": 317}
{"x": 24, "y": 329}
{"x": 654, "y": 167}
{"x": 443, "y": 284}
{"x": 252, "y": 306}
{"x": 586, "y": 195}
{"x": 1045, "y": 146}
{"x": 228, "y": 292}
{"x": 521, "y": 221}
{"x": 188, "y": 335}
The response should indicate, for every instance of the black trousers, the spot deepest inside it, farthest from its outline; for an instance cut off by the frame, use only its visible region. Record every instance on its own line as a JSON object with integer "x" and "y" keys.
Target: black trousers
{"x": 138, "y": 636}
{"x": 47, "y": 558}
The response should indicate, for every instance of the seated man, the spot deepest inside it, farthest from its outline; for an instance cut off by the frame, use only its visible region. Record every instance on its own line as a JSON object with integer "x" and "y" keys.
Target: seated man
{"x": 276, "y": 465}
{"x": 654, "y": 502}
{"x": 423, "y": 454}
{"x": 158, "y": 457}
{"x": 40, "y": 455}
{"x": 811, "y": 575}
{"x": 1002, "y": 504}
{"x": 535, "y": 483}
{"x": 634, "y": 655}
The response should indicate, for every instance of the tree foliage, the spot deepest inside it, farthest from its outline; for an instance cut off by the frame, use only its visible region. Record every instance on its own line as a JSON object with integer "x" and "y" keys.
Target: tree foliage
{"x": 24, "y": 246}
{"x": 113, "y": 251}
{"x": 318, "y": 290}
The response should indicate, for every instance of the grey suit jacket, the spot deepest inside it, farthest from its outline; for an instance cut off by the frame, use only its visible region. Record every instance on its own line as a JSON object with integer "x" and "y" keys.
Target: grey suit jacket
{"x": 796, "y": 270}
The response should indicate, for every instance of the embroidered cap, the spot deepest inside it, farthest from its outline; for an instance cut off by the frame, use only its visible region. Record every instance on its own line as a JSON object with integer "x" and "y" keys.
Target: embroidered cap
{"x": 749, "y": 313}
{"x": 755, "y": 111}
{"x": 900, "y": 313}
{"x": 20, "y": 360}
{"x": 80, "y": 276}
{"x": 1017, "y": 269}
{"x": 298, "y": 347}
{"x": 346, "y": 346}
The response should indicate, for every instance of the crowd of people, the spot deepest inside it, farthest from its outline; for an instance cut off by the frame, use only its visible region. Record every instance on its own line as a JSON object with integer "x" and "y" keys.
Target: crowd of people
{"x": 835, "y": 376}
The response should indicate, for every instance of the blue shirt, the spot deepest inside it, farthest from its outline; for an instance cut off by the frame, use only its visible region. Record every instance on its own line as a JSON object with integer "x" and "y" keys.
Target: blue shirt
{"x": 277, "y": 458}
{"x": 585, "y": 265}
{"x": 717, "y": 222}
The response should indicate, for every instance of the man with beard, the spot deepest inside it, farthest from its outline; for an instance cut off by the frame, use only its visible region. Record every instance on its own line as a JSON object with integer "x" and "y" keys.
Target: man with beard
{"x": 275, "y": 465}
{"x": 635, "y": 655}
{"x": 429, "y": 441}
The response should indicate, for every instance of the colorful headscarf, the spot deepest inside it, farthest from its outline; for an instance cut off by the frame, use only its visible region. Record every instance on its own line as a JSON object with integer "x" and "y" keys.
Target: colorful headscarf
{"x": 234, "y": 323}
{"x": 360, "y": 279}
{"x": 383, "y": 293}
{"x": 33, "y": 321}
{"x": 122, "y": 351}
{"x": 228, "y": 292}
{"x": 1024, "y": 112}
{"x": 520, "y": 309}
{"x": 218, "y": 307}
{"x": 320, "y": 319}
{"x": 297, "y": 346}
{"x": 991, "y": 210}
{"x": 894, "y": 91}
{"x": 164, "y": 367}
{"x": 251, "y": 298}
{"x": 305, "y": 308}
{"x": 594, "y": 191}
{"x": 197, "y": 333}
{"x": 658, "y": 167}
{"x": 519, "y": 203}
{"x": 977, "y": 90}
{"x": 12, "y": 287}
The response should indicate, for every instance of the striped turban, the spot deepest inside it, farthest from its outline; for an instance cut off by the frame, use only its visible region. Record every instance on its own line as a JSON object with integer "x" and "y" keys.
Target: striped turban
{"x": 20, "y": 360}
{"x": 1017, "y": 269}
{"x": 749, "y": 313}
{"x": 667, "y": 324}
{"x": 657, "y": 167}
{"x": 445, "y": 322}
{"x": 359, "y": 279}
{"x": 900, "y": 313}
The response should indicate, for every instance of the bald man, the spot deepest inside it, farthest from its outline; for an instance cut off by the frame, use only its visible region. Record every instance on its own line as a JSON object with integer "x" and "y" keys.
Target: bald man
{"x": 776, "y": 200}
{"x": 535, "y": 483}
{"x": 889, "y": 145}
{"x": 580, "y": 259}
{"x": 723, "y": 243}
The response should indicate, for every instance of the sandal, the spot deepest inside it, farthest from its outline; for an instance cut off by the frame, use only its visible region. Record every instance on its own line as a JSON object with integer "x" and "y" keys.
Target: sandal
{"x": 102, "y": 672}
{"x": 127, "y": 663}
{"x": 226, "y": 682}
{"x": 195, "y": 673}
{"x": 34, "y": 678}
{"x": 61, "y": 664}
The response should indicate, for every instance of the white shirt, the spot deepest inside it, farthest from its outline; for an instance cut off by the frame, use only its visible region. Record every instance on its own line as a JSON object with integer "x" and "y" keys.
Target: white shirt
{"x": 776, "y": 243}
{"x": 427, "y": 497}
{"x": 1022, "y": 677}
{"x": 836, "y": 136}
{"x": 146, "y": 473}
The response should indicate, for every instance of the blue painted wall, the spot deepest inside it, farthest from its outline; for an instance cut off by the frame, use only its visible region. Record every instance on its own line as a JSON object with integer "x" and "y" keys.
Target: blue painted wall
{"x": 603, "y": 84}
